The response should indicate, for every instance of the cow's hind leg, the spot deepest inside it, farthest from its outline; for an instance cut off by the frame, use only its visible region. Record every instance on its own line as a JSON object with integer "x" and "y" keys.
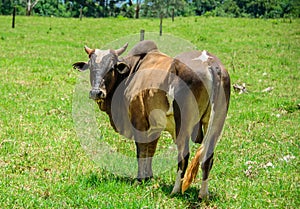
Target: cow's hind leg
{"x": 183, "y": 158}
{"x": 197, "y": 134}
{"x": 145, "y": 153}
{"x": 206, "y": 167}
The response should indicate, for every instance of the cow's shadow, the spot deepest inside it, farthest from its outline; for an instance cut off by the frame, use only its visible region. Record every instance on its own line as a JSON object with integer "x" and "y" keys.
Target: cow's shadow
{"x": 190, "y": 196}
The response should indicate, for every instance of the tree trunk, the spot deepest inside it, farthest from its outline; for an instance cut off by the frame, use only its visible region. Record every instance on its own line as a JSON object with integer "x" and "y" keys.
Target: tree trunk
{"x": 30, "y": 6}
{"x": 137, "y": 9}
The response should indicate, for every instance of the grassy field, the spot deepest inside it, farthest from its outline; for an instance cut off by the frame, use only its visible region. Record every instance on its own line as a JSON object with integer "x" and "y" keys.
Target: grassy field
{"x": 43, "y": 165}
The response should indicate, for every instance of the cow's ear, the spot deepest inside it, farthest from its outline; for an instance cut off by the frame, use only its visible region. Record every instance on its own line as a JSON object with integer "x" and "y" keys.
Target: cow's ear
{"x": 122, "y": 67}
{"x": 81, "y": 66}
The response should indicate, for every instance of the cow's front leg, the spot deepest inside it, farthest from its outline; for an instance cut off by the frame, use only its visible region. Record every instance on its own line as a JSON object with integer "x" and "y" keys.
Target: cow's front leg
{"x": 183, "y": 159}
{"x": 145, "y": 153}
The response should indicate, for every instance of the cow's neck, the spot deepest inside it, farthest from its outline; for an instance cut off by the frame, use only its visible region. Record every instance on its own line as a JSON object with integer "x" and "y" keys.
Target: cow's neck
{"x": 118, "y": 109}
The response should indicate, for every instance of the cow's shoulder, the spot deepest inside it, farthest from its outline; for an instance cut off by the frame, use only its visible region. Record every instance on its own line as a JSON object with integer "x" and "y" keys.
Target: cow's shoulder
{"x": 156, "y": 60}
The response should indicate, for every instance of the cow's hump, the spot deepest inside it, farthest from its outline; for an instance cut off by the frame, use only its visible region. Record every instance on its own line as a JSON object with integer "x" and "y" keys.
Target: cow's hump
{"x": 143, "y": 47}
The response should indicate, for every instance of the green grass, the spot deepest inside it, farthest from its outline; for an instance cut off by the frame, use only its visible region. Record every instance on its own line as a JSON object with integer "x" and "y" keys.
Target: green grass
{"x": 42, "y": 164}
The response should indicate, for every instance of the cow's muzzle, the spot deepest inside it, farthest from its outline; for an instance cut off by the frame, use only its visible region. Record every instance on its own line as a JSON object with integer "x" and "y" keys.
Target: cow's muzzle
{"x": 97, "y": 94}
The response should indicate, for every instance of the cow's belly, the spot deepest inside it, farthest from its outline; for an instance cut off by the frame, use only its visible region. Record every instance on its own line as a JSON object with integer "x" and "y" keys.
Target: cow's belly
{"x": 151, "y": 112}
{"x": 159, "y": 121}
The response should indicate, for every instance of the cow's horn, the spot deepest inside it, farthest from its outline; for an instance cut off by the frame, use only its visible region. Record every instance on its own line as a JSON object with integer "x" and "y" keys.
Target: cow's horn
{"x": 121, "y": 50}
{"x": 88, "y": 50}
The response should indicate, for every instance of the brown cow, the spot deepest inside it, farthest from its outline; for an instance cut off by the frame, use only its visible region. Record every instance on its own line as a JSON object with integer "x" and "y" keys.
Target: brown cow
{"x": 147, "y": 92}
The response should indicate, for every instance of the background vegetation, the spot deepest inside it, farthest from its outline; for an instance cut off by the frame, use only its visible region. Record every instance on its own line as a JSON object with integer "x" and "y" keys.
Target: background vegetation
{"x": 42, "y": 164}
{"x": 154, "y": 8}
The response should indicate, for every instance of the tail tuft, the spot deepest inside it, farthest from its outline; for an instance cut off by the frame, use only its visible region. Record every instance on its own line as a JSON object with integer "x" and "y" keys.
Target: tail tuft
{"x": 192, "y": 170}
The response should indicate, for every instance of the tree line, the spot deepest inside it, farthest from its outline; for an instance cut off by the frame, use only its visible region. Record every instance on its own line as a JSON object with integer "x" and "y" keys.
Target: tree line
{"x": 153, "y": 8}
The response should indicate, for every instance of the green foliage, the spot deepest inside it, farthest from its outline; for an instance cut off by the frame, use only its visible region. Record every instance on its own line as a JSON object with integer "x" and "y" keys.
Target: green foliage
{"x": 203, "y": 6}
{"x": 230, "y": 8}
{"x": 6, "y": 7}
{"x": 155, "y": 8}
{"x": 127, "y": 11}
{"x": 48, "y": 8}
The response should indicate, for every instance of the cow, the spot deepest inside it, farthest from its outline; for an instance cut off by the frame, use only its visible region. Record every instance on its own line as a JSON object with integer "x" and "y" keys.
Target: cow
{"x": 147, "y": 92}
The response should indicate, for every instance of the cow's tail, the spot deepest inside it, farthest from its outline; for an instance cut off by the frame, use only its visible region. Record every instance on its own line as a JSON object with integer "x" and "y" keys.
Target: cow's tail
{"x": 192, "y": 169}
{"x": 215, "y": 126}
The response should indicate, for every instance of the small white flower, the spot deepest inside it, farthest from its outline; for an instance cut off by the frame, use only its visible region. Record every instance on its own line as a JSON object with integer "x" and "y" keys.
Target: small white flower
{"x": 269, "y": 164}
{"x": 268, "y": 89}
{"x": 287, "y": 158}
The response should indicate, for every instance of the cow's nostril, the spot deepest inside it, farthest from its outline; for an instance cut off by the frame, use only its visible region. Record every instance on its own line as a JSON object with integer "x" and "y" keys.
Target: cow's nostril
{"x": 97, "y": 94}
{"x": 94, "y": 94}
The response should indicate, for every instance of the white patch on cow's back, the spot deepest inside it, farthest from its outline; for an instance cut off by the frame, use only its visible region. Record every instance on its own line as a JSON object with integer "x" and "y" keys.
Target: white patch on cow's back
{"x": 170, "y": 98}
{"x": 204, "y": 57}
{"x": 170, "y": 127}
{"x": 100, "y": 54}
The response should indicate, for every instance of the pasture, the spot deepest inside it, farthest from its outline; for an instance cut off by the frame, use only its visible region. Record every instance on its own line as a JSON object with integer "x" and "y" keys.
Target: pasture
{"x": 42, "y": 162}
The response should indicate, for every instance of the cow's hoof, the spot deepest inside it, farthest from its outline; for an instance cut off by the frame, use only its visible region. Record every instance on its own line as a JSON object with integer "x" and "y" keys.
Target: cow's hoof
{"x": 178, "y": 183}
{"x": 203, "y": 196}
{"x": 144, "y": 179}
{"x": 173, "y": 193}
{"x": 176, "y": 190}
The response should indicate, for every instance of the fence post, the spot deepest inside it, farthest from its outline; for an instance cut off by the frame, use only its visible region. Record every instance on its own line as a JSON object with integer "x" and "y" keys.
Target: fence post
{"x": 142, "y": 35}
{"x": 160, "y": 25}
{"x": 80, "y": 15}
{"x": 14, "y": 17}
{"x": 173, "y": 11}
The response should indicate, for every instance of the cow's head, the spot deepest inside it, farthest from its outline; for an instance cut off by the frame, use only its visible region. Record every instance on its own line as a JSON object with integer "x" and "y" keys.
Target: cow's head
{"x": 101, "y": 64}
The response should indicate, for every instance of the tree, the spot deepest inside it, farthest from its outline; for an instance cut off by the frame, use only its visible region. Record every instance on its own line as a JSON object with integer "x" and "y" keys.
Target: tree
{"x": 137, "y": 9}
{"x": 290, "y": 8}
{"x": 30, "y": 6}
{"x": 153, "y": 8}
{"x": 228, "y": 8}
{"x": 127, "y": 10}
{"x": 6, "y": 7}
{"x": 203, "y": 6}
{"x": 156, "y": 8}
